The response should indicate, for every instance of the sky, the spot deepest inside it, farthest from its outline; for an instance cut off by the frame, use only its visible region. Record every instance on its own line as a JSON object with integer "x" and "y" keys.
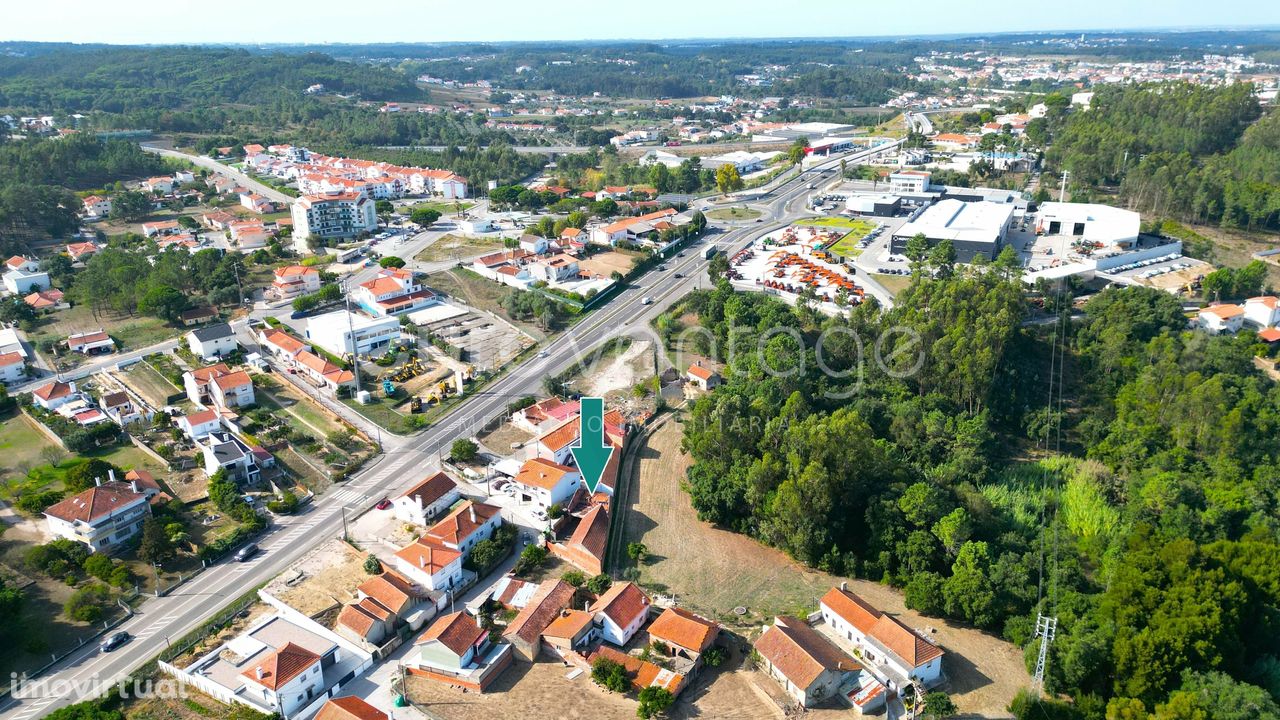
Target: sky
{"x": 344, "y": 21}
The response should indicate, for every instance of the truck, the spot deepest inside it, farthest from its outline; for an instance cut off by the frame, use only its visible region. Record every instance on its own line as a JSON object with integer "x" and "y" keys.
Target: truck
{"x": 708, "y": 252}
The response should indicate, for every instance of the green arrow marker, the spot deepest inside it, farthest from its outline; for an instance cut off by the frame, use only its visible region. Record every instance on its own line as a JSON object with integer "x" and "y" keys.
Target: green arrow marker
{"x": 591, "y": 453}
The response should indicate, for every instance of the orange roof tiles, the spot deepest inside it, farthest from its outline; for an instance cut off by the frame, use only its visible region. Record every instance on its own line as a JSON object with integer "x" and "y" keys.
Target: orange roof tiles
{"x": 52, "y": 391}
{"x": 569, "y": 624}
{"x": 643, "y": 673}
{"x": 456, "y": 631}
{"x": 552, "y": 597}
{"x": 851, "y": 608}
{"x": 236, "y": 379}
{"x": 349, "y": 708}
{"x": 622, "y": 603}
{"x": 94, "y": 503}
{"x": 427, "y": 555}
{"x": 799, "y": 652}
{"x": 1225, "y": 311}
{"x": 281, "y": 666}
{"x": 390, "y": 590}
{"x": 681, "y": 627}
{"x": 460, "y": 524}
{"x": 592, "y": 532}
{"x": 11, "y": 358}
{"x": 700, "y": 372}
{"x": 542, "y": 473}
{"x": 284, "y": 341}
{"x": 432, "y": 489}
{"x": 904, "y": 643}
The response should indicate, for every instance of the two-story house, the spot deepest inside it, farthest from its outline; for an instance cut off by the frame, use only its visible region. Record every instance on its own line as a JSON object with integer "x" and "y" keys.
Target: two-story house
{"x": 122, "y": 409}
{"x": 294, "y": 280}
{"x": 393, "y": 292}
{"x": 54, "y": 394}
{"x": 470, "y": 523}
{"x": 288, "y": 678}
{"x": 212, "y": 341}
{"x": 900, "y": 654}
{"x": 809, "y": 668}
{"x": 546, "y": 482}
{"x": 218, "y": 386}
{"x": 424, "y": 501}
{"x": 102, "y": 517}
{"x": 242, "y": 462}
{"x": 430, "y": 564}
{"x": 621, "y": 611}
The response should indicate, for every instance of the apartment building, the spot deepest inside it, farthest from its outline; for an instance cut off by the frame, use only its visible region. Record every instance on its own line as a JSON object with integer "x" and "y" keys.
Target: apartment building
{"x": 333, "y": 215}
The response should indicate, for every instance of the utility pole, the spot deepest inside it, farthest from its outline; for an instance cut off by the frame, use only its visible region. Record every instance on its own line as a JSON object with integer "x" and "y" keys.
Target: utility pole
{"x": 351, "y": 336}
{"x": 1046, "y": 628}
{"x": 1062, "y": 191}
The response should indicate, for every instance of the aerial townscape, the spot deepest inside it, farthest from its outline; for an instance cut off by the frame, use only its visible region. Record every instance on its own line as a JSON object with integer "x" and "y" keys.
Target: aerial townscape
{"x": 908, "y": 363}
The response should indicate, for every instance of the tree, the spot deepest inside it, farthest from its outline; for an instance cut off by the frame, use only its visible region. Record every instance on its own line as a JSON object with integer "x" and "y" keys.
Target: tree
{"x": 384, "y": 207}
{"x": 637, "y": 551}
{"x": 156, "y": 547}
{"x": 574, "y": 577}
{"x": 727, "y": 178}
{"x": 424, "y": 217}
{"x": 610, "y": 675}
{"x": 13, "y": 311}
{"x": 130, "y": 206}
{"x": 463, "y": 450}
{"x": 88, "y": 604}
{"x": 653, "y": 701}
{"x": 164, "y": 302}
{"x": 372, "y": 565}
{"x": 87, "y": 710}
{"x": 916, "y": 251}
{"x": 599, "y": 584}
{"x": 390, "y": 261}
{"x": 942, "y": 258}
{"x": 89, "y": 473}
{"x": 938, "y": 704}
{"x": 531, "y": 558}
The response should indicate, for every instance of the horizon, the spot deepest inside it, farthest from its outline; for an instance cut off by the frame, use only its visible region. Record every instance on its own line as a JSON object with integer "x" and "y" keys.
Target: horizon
{"x": 329, "y": 23}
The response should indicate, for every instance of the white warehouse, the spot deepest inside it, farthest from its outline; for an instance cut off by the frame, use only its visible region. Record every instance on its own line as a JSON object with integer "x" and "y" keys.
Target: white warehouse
{"x": 339, "y": 331}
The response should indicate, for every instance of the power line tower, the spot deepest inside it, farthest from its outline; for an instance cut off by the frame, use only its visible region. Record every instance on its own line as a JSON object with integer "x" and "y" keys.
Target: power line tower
{"x": 1046, "y": 627}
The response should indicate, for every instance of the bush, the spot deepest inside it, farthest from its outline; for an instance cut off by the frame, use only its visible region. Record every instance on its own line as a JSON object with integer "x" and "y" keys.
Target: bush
{"x": 654, "y": 701}
{"x": 574, "y": 578}
{"x": 610, "y": 675}
{"x": 531, "y": 558}
{"x": 286, "y": 504}
{"x": 36, "y": 503}
{"x": 599, "y": 584}
{"x": 372, "y": 565}
{"x": 489, "y": 552}
{"x": 57, "y": 559}
{"x": 88, "y": 604}
{"x": 463, "y": 450}
{"x": 715, "y": 656}
{"x": 391, "y": 261}
{"x": 99, "y": 566}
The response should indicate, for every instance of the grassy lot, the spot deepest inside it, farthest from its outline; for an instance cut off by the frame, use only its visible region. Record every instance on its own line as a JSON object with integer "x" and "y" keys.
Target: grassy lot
{"x": 714, "y": 571}
{"x": 31, "y": 461}
{"x": 733, "y": 213}
{"x": 382, "y": 411}
{"x": 131, "y": 331}
{"x": 894, "y": 283}
{"x": 850, "y": 224}
{"x": 458, "y": 247}
{"x": 149, "y": 383}
{"x": 444, "y": 207}
{"x": 480, "y": 293}
{"x": 22, "y": 446}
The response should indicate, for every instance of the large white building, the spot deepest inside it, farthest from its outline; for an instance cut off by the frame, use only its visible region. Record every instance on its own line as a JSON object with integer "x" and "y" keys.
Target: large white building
{"x": 1111, "y": 226}
{"x": 893, "y": 651}
{"x": 394, "y": 291}
{"x": 974, "y": 228}
{"x": 342, "y": 333}
{"x": 335, "y": 215}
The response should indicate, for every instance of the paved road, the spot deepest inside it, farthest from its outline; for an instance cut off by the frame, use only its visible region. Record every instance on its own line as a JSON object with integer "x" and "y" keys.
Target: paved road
{"x": 107, "y": 362}
{"x": 217, "y": 167}
{"x": 404, "y": 462}
{"x": 526, "y": 149}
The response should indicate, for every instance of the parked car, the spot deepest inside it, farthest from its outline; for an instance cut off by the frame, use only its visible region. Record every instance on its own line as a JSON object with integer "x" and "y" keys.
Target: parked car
{"x": 246, "y": 552}
{"x": 383, "y": 504}
{"x": 114, "y": 640}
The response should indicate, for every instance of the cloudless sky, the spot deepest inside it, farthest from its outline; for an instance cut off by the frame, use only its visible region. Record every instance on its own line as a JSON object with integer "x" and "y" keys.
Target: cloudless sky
{"x": 347, "y": 21}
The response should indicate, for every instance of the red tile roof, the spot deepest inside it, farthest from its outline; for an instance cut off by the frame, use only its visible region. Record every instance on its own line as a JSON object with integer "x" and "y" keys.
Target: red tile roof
{"x": 460, "y": 524}
{"x": 432, "y": 489}
{"x": 284, "y": 341}
{"x": 427, "y": 555}
{"x": 349, "y": 708}
{"x": 52, "y": 391}
{"x": 592, "y": 532}
{"x": 542, "y": 473}
{"x": 700, "y": 372}
{"x": 94, "y": 503}
{"x": 643, "y": 673}
{"x": 281, "y": 666}
{"x": 456, "y": 631}
{"x": 236, "y": 379}
{"x": 681, "y": 627}
{"x": 545, "y": 606}
{"x": 569, "y": 624}
{"x": 799, "y": 652}
{"x": 622, "y": 603}
{"x": 852, "y": 609}
{"x": 11, "y": 358}
{"x": 885, "y": 629}
{"x": 390, "y": 590}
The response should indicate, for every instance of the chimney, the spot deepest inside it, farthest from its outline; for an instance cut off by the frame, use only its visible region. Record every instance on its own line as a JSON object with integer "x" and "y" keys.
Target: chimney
{"x": 479, "y": 624}
{"x": 844, "y": 586}
{"x": 134, "y": 485}
{"x": 260, "y": 672}
{"x": 111, "y": 474}
{"x": 422, "y": 561}
{"x": 472, "y": 512}
{"x": 97, "y": 481}
{"x": 586, "y": 606}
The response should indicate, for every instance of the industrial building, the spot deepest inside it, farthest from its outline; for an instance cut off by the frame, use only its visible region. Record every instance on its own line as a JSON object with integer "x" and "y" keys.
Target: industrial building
{"x": 339, "y": 331}
{"x": 974, "y": 228}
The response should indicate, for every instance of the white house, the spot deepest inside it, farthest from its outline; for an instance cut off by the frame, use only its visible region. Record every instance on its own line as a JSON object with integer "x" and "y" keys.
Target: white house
{"x": 470, "y": 523}
{"x": 96, "y": 206}
{"x": 90, "y": 343}
{"x": 282, "y": 345}
{"x": 219, "y": 387}
{"x": 533, "y": 244}
{"x": 1224, "y": 318}
{"x": 23, "y": 276}
{"x": 102, "y": 517}
{"x": 546, "y": 482}
{"x": 392, "y": 292}
{"x": 555, "y": 269}
{"x": 289, "y": 678}
{"x": 424, "y": 501}
{"x": 890, "y": 648}
{"x": 340, "y": 332}
{"x": 121, "y": 408}
{"x": 223, "y": 451}
{"x": 621, "y": 611}
{"x": 199, "y": 423}
{"x": 1263, "y": 311}
{"x": 212, "y": 341}
{"x": 294, "y": 280}
{"x": 430, "y": 564}
{"x": 13, "y": 367}
{"x": 54, "y": 395}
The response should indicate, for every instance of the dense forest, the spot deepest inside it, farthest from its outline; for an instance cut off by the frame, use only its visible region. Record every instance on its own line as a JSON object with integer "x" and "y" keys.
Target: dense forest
{"x": 1187, "y": 151}
{"x": 37, "y": 177}
{"x": 1148, "y": 492}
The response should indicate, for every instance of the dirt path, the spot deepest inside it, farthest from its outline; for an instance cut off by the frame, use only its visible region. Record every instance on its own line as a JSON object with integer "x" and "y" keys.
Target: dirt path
{"x": 713, "y": 571}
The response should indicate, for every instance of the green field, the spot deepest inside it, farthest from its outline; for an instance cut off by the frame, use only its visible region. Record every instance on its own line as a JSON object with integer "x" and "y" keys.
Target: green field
{"x": 847, "y": 245}
{"x": 444, "y": 207}
{"x": 458, "y": 247}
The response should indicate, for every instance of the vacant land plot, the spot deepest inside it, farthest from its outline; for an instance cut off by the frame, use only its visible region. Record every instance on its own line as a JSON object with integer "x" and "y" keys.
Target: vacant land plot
{"x": 714, "y": 571}
{"x": 149, "y": 383}
{"x": 458, "y": 247}
{"x": 326, "y": 577}
{"x": 894, "y": 283}
{"x": 537, "y": 690}
{"x": 850, "y": 224}
{"x": 734, "y": 213}
{"x": 480, "y": 293}
{"x": 444, "y": 208}
{"x": 23, "y": 446}
{"x": 131, "y": 331}
{"x": 607, "y": 263}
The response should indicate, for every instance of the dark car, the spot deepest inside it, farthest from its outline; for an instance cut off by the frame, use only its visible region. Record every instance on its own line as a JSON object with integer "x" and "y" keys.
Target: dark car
{"x": 115, "y": 640}
{"x": 246, "y": 552}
